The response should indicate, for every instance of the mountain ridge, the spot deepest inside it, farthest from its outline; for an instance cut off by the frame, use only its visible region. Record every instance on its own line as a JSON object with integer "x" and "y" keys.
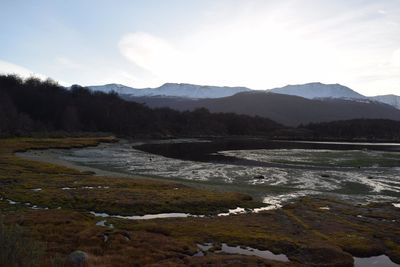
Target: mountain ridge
{"x": 285, "y": 109}
{"x": 319, "y": 90}
{"x": 174, "y": 89}
{"x": 314, "y": 90}
{"x": 391, "y": 99}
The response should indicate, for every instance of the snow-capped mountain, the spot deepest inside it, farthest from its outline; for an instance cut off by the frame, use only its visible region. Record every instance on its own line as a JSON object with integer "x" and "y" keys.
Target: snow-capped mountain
{"x": 393, "y": 100}
{"x": 113, "y": 87}
{"x": 319, "y": 90}
{"x": 173, "y": 90}
{"x": 309, "y": 90}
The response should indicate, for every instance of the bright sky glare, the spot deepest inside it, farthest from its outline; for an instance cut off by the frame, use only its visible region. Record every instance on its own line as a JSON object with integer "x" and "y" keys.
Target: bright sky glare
{"x": 260, "y": 44}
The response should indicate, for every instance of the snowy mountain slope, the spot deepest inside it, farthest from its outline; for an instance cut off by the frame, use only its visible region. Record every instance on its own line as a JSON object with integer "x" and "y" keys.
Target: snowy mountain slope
{"x": 118, "y": 88}
{"x": 393, "y": 100}
{"x": 173, "y": 89}
{"x": 319, "y": 90}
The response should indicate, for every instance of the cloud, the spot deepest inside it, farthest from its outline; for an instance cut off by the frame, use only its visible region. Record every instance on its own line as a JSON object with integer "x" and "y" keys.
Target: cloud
{"x": 264, "y": 44}
{"x": 150, "y": 53}
{"x": 11, "y": 68}
{"x": 257, "y": 49}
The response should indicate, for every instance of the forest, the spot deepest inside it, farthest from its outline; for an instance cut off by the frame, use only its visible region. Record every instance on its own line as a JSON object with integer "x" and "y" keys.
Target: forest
{"x": 35, "y": 106}
{"x": 368, "y": 129}
{"x": 32, "y": 106}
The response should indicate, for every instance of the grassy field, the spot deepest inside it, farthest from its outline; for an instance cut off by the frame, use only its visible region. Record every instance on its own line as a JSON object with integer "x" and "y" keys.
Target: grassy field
{"x": 307, "y": 234}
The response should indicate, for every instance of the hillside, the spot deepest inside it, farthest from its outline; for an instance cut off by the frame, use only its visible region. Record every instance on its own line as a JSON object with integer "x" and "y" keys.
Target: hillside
{"x": 285, "y": 109}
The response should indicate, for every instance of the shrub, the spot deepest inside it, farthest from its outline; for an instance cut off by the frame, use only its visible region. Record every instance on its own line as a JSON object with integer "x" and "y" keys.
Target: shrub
{"x": 17, "y": 249}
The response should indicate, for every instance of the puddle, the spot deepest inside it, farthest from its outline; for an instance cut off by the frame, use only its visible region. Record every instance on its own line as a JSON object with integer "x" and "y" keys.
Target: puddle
{"x": 28, "y": 204}
{"x": 238, "y": 210}
{"x": 34, "y": 207}
{"x": 205, "y": 246}
{"x": 95, "y": 187}
{"x": 199, "y": 254}
{"x": 235, "y": 211}
{"x": 11, "y": 202}
{"x": 266, "y": 254}
{"x": 249, "y": 251}
{"x": 104, "y": 223}
{"x": 147, "y": 216}
{"x": 324, "y": 208}
{"x": 378, "y": 261}
{"x": 85, "y": 187}
{"x": 271, "y": 207}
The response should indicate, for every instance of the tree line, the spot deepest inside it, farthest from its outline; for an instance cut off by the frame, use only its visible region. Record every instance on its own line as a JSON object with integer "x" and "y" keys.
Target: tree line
{"x": 357, "y": 129}
{"x": 31, "y": 105}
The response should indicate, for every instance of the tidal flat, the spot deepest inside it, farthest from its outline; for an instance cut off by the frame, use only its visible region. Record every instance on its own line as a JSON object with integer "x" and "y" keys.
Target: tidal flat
{"x": 310, "y": 230}
{"x": 272, "y": 172}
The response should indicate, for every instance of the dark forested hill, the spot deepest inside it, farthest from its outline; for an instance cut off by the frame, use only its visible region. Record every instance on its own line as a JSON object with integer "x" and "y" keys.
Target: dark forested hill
{"x": 286, "y": 109}
{"x": 32, "y": 105}
{"x": 371, "y": 129}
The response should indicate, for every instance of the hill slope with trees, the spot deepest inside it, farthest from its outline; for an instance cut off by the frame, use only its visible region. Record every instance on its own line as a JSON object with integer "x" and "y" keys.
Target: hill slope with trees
{"x": 32, "y": 105}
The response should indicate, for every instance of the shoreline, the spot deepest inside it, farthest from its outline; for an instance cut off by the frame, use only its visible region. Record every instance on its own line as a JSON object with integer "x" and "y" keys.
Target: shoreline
{"x": 48, "y": 156}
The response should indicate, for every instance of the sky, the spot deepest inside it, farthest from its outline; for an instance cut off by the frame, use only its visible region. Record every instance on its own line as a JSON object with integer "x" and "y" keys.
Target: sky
{"x": 260, "y": 44}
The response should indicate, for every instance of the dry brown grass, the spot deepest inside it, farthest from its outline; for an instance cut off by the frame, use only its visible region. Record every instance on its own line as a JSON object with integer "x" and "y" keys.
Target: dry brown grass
{"x": 305, "y": 233}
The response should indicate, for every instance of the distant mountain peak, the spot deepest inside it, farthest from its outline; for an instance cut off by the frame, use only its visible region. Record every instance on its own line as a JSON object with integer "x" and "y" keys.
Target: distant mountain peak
{"x": 319, "y": 90}
{"x": 178, "y": 84}
{"x": 393, "y": 100}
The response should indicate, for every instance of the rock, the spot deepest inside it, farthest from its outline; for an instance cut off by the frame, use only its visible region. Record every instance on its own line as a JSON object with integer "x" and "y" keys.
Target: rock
{"x": 325, "y": 175}
{"x": 77, "y": 258}
{"x": 259, "y": 177}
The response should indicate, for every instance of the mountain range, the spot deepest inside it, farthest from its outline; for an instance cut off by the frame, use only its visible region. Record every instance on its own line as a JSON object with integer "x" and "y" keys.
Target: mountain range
{"x": 173, "y": 90}
{"x": 290, "y": 105}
